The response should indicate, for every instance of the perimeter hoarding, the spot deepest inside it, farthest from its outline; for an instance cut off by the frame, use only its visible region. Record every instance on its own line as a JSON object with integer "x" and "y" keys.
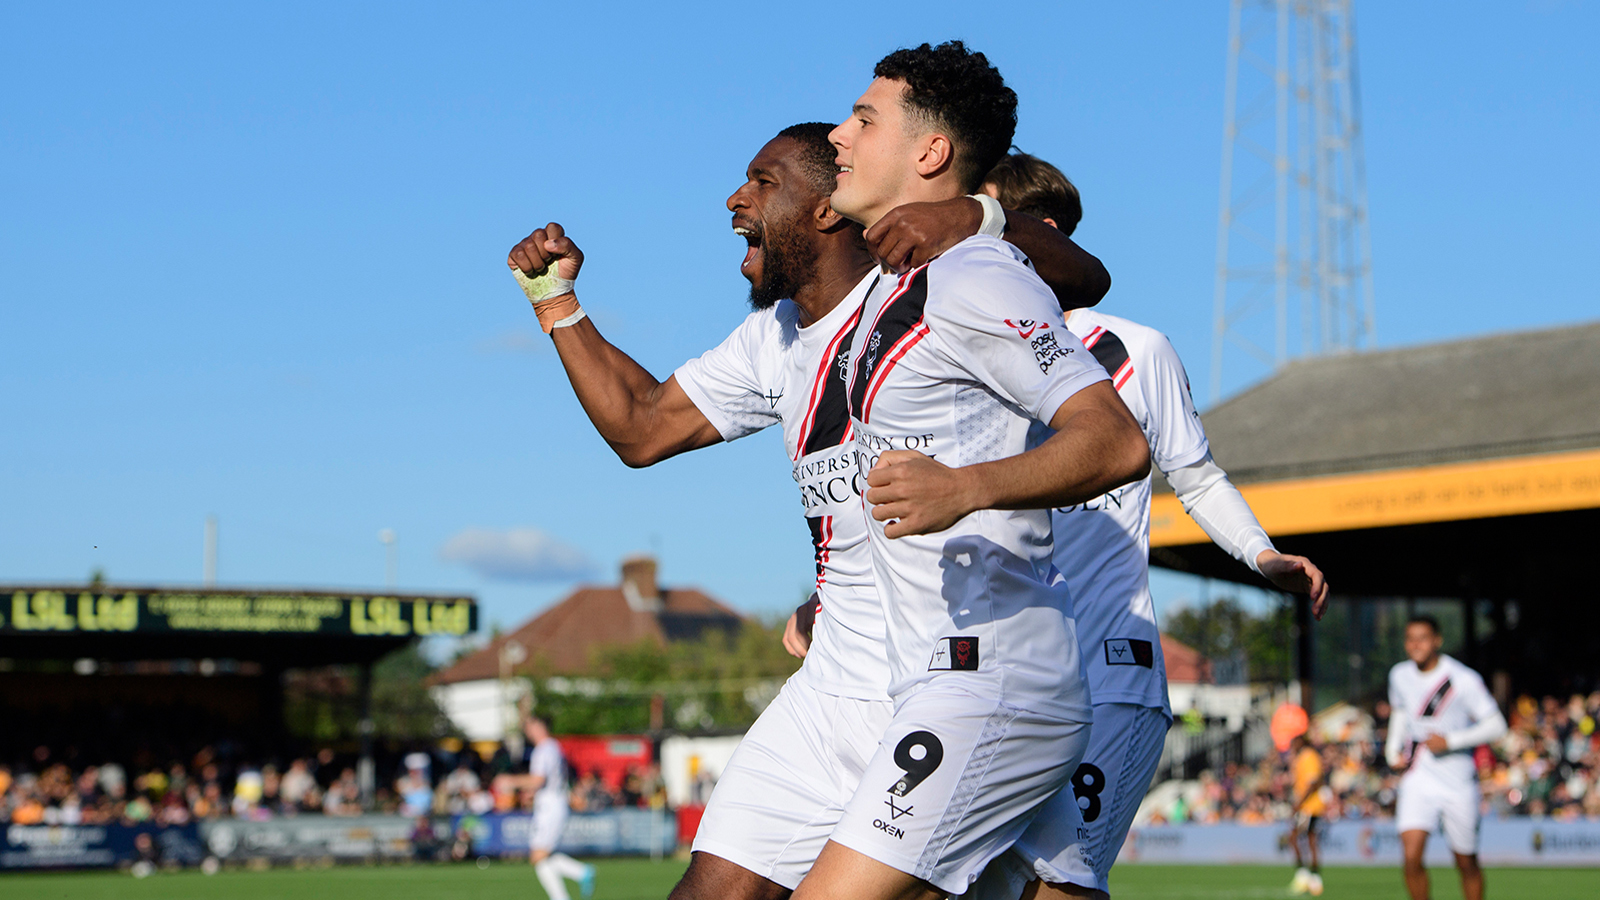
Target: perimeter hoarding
{"x": 1502, "y": 842}
{"x": 95, "y": 846}
{"x": 25, "y": 611}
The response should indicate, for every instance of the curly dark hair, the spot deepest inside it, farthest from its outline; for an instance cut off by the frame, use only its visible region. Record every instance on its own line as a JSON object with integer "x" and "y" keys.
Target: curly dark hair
{"x": 956, "y": 91}
{"x": 817, "y": 154}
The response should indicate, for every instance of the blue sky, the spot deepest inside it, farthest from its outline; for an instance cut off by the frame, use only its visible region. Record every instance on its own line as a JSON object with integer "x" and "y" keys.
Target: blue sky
{"x": 254, "y": 256}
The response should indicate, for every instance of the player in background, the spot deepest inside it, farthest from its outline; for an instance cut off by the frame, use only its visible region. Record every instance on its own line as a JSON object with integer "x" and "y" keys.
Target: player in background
{"x": 1309, "y": 798}
{"x": 546, "y": 781}
{"x": 1441, "y": 712}
{"x": 781, "y": 794}
{"x": 953, "y": 364}
{"x": 1102, "y": 547}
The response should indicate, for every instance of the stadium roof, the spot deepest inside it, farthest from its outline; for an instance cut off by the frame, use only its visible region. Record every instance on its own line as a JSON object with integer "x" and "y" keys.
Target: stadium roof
{"x": 1482, "y": 429}
{"x": 560, "y": 640}
{"x": 1497, "y": 396}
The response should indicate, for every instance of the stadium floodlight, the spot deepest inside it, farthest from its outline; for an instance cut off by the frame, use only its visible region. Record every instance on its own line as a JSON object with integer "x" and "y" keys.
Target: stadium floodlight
{"x": 1291, "y": 139}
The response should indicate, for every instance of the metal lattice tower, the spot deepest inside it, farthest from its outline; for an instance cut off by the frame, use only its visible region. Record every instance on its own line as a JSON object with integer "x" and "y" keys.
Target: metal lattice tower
{"x": 1292, "y": 240}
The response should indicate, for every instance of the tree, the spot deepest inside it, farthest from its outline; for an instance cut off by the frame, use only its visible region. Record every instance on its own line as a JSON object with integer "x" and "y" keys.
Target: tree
{"x": 719, "y": 682}
{"x": 324, "y": 705}
{"x": 1224, "y": 628}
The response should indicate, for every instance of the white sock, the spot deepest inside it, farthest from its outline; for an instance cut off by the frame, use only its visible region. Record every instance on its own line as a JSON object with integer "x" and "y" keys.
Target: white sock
{"x": 551, "y": 879}
{"x": 566, "y": 866}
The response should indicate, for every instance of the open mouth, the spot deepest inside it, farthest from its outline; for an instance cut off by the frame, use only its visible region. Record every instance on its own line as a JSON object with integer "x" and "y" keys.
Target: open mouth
{"x": 843, "y": 169}
{"x": 752, "y": 237}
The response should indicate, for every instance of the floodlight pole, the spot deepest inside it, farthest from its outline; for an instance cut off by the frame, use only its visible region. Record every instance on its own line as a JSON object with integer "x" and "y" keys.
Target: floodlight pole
{"x": 386, "y": 536}
{"x": 366, "y": 774}
{"x": 208, "y": 571}
{"x": 1291, "y": 141}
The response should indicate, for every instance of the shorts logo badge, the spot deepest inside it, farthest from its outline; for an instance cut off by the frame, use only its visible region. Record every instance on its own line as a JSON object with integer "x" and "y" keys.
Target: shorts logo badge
{"x": 1130, "y": 652}
{"x": 954, "y": 654}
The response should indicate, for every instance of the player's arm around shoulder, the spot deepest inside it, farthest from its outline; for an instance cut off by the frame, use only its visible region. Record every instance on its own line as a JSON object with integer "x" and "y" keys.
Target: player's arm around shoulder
{"x": 910, "y": 235}
{"x": 644, "y": 420}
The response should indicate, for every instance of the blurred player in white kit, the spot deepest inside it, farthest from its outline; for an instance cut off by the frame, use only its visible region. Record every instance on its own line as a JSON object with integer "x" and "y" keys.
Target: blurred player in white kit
{"x": 1441, "y": 713}
{"x": 546, "y": 780}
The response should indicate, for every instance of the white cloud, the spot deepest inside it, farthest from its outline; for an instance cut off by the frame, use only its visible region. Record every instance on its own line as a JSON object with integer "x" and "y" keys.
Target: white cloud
{"x": 516, "y": 554}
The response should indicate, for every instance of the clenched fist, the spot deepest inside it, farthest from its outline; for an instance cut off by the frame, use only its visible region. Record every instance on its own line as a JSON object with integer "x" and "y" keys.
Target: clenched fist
{"x": 548, "y": 244}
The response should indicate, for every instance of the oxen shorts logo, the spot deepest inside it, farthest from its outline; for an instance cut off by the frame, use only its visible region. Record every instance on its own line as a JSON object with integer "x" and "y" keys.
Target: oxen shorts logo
{"x": 954, "y": 654}
{"x": 1130, "y": 652}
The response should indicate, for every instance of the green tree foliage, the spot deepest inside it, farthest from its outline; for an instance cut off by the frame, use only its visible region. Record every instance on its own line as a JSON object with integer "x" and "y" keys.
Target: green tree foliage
{"x": 720, "y": 682}
{"x": 324, "y": 705}
{"x": 1223, "y": 628}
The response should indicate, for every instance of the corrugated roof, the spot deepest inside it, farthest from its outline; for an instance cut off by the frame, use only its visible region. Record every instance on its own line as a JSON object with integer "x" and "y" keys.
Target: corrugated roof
{"x": 1497, "y": 396}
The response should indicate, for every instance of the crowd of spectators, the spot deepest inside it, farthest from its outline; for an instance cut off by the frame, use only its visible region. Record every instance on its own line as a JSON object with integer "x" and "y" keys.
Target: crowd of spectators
{"x": 53, "y": 792}
{"x": 1546, "y": 765}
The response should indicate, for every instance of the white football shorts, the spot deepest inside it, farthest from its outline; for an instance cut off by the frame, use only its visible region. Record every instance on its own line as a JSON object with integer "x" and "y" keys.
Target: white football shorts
{"x": 785, "y": 787}
{"x": 955, "y": 780}
{"x": 549, "y": 820}
{"x": 1078, "y": 833}
{"x": 1425, "y": 800}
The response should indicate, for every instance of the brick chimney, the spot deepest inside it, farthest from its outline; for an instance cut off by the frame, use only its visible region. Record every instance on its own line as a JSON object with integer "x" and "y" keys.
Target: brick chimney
{"x": 639, "y": 584}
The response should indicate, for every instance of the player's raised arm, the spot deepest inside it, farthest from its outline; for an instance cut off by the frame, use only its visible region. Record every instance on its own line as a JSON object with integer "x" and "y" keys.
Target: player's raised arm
{"x": 910, "y": 235}
{"x": 644, "y": 420}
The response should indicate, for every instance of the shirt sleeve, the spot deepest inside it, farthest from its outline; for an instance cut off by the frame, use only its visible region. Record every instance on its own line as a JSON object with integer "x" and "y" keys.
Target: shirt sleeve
{"x": 1177, "y": 438}
{"x": 1395, "y": 741}
{"x": 995, "y": 319}
{"x": 1488, "y": 724}
{"x": 724, "y": 383}
{"x": 1220, "y": 510}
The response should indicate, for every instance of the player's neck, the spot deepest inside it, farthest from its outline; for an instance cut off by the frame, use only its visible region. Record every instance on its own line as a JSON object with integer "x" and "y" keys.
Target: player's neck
{"x": 918, "y": 190}
{"x": 1429, "y": 664}
{"x": 836, "y": 274}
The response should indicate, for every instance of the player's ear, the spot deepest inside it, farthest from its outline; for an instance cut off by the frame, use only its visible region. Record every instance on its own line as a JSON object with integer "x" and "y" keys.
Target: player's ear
{"x": 825, "y": 218}
{"x": 937, "y": 154}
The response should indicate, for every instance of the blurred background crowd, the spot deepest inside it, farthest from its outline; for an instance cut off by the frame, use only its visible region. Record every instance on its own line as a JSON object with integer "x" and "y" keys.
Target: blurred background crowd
{"x": 46, "y": 790}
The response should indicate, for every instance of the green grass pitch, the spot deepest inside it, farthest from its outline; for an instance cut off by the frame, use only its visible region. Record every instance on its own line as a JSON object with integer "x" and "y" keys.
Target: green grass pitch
{"x": 627, "y": 879}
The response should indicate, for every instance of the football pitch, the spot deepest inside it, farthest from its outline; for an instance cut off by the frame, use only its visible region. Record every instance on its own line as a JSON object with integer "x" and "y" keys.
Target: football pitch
{"x": 628, "y": 879}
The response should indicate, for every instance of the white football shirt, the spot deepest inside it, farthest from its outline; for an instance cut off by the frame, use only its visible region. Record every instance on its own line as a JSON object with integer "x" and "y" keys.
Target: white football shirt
{"x": 546, "y": 759}
{"x": 960, "y": 359}
{"x": 1449, "y": 698}
{"x": 1103, "y": 546}
{"x": 771, "y": 371}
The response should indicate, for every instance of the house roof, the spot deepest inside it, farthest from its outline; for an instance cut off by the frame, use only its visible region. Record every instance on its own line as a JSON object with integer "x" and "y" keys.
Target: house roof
{"x": 1185, "y": 664}
{"x": 561, "y": 639}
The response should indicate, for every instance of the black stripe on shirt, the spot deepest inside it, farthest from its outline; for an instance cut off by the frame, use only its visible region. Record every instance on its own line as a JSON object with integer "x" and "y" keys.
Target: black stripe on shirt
{"x": 832, "y": 417}
{"x": 1110, "y": 351}
{"x": 903, "y": 314}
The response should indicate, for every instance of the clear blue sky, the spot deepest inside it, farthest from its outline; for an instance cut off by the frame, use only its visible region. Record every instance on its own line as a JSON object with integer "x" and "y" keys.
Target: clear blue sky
{"x": 254, "y": 254}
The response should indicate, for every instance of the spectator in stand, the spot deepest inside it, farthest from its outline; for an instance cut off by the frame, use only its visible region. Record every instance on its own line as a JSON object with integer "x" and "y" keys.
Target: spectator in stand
{"x": 413, "y": 789}
{"x": 297, "y": 786}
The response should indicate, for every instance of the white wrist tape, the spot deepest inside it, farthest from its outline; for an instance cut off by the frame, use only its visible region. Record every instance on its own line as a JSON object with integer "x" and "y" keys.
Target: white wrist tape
{"x": 994, "y": 215}
{"x": 542, "y": 287}
{"x": 573, "y": 319}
